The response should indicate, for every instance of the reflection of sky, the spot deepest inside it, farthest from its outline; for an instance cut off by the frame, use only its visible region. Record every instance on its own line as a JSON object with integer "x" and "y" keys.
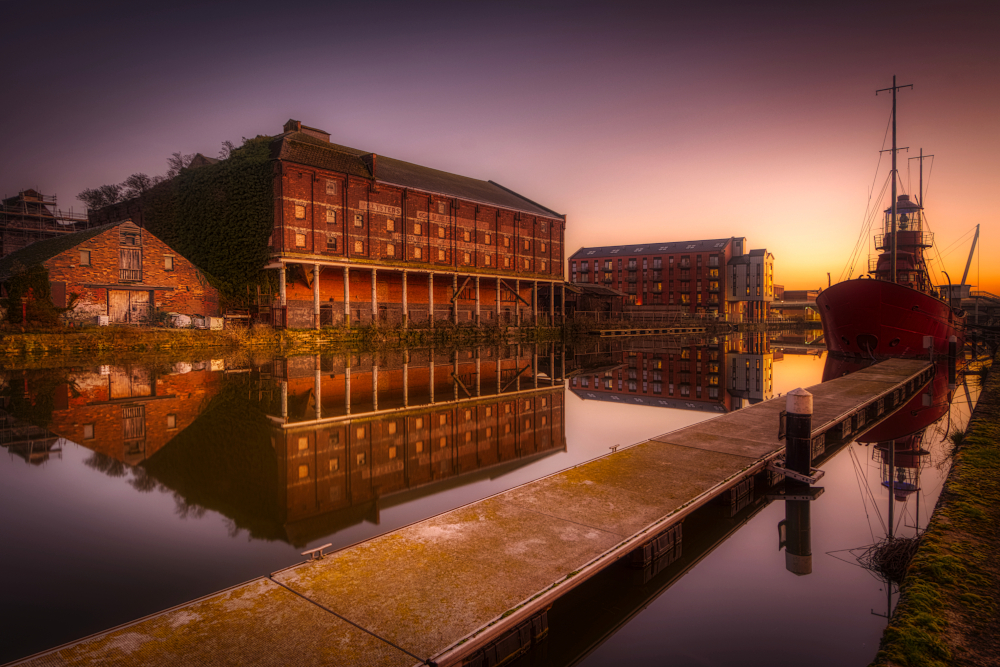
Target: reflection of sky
{"x": 768, "y": 616}
{"x": 91, "y": 551}
{"x": 641, "y": 121}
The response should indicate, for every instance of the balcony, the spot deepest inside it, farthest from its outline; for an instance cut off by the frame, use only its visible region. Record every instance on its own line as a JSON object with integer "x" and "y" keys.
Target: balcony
{"x": 685, "y": 264}
{"x": 915, "y": 239}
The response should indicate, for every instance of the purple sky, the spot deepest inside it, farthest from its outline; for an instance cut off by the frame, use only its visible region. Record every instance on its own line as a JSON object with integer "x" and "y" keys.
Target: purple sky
{"x": 642, "y": 122}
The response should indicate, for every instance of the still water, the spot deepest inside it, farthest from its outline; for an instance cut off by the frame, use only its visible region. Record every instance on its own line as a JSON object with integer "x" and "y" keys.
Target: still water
{"x": 129, "y": 489}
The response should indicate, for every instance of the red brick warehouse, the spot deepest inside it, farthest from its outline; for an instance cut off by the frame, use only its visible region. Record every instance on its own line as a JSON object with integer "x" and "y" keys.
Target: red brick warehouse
{"x": 360, "y": 237}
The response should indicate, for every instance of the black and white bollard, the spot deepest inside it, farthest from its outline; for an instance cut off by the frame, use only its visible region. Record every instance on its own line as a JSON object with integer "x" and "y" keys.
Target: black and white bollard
{"x": 798, "y": 458}
{"x": 798, "y": 431}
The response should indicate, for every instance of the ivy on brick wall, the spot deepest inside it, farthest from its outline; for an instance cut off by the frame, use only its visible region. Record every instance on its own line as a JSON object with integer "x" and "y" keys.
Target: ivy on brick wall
{"x": 32, "y": 283}
{"x": 219, "y": 216}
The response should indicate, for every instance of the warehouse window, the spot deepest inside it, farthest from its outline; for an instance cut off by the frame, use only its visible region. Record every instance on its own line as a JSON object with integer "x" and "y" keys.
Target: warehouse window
{"x": 331, "y": 242}
{"x": 300, "y": 240}
{"x": 84, "y": 258}
{"x": 417, "y": 229}
{"x": 331, "y": 187}
{"x": 359, "y": 247}
{"x": 390, "y": 250}
{"x": 418, "y": 253}
{"x": 359, "y": 220}
{"x": 300, "y": 212}
{"x": 168, "y": 262}
{"x": 331, "y": 215}
{"x": 390, "y": 225}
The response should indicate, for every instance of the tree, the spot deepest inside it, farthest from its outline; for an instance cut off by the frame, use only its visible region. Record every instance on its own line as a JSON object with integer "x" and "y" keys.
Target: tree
{"x": 227, "y": 149}
{"x": 176, "y": 162}
{"x": 137, "y": 183}
{"x": 102, "y": 196}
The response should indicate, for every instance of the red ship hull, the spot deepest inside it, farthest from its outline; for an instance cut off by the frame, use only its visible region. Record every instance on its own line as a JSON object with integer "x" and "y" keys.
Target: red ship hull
{"x": 878, "y": 319}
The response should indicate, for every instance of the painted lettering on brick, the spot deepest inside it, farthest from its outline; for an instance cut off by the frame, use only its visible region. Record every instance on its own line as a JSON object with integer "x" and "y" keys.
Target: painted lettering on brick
{"x": 384, "y": 209}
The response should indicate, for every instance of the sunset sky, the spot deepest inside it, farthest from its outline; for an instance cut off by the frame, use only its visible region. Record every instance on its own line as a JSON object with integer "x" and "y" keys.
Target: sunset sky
{"x": 642, "y": 122}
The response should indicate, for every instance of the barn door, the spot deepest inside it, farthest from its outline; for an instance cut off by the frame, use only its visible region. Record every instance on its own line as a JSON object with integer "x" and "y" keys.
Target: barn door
{"x": 139, "y": 306}
{"x": 126, "y": 306}
{"x": 118, "y": 305}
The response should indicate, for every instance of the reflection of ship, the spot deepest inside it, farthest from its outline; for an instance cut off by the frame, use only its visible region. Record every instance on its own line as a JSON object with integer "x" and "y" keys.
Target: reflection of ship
{"x": 717, "y": 375}
{"x": 889, "y": 312}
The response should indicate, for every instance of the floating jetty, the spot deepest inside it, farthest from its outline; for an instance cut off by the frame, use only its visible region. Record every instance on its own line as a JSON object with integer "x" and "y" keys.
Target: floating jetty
{"x": 471, "y": 586}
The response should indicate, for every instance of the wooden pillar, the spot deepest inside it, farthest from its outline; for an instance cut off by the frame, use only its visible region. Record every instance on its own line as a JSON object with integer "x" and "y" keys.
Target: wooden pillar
{"x": 517, "y": 302}
{"x": 347, "y": 297}
{"x": 316, "y": 270}
{"x": 430, "y": 372}
{"x": 497, "y": 316}
{"x": 454, "y": 373}
{"x": 477, "y": 301}
{"x": 534, "y": 363}
{"x": 284, "y": 400}
{"x": 405, "y": 310}
{"x": 454, "y": 295}
{"x": 430, "y": 298}
{"x": 375, "y": 387}
{"x": 562, "y": 302}
{"x": 374, "y": 296}
{"x": 534, "y": 303}
{"x": 552, "y": 304}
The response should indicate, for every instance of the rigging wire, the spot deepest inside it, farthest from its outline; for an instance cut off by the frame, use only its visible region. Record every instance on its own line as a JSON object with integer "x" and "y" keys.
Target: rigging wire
{"x": 865, "y": 225}
{"x": 863, "y": 237}
{"x": 864, "y": 502}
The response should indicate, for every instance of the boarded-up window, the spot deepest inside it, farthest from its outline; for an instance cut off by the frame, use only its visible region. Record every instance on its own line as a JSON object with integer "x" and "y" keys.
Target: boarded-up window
{"x": 359, "y": 247}
{"x": 84, "y": 258}
{"x": 300, "y": 240}
{"x": 331, "y": 187}
{"x": 418, "y": 253}
{"x": 390, "y": 250}
{"x": 168, "y": 262}
{"x": 300, "y": 212}
{"x": 331, "y": 215}
{"x": 58, "y": 290}
{"x": 130, "y": 264}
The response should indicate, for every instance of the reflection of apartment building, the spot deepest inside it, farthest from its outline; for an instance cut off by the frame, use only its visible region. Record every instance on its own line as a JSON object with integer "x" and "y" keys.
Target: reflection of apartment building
{"x": 718, "y": 375}
{"x": 129, "y": 413}
{"x": 355, "y": 436}
{"x": 708, "y": 276}
{"x": 672, "y": 373}
{"x": 751, "y": 366}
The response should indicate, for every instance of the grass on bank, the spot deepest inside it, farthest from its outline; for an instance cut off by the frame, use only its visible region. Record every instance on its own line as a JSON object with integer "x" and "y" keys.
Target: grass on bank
{"x": 947, "y": 613}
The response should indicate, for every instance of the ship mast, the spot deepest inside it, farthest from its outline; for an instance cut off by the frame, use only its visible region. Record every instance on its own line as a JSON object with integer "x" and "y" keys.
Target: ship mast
{"x": 892, "y": 229}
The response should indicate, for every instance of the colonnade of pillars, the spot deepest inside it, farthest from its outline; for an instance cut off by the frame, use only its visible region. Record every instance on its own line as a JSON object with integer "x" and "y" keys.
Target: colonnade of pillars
{"x": 317, "y": 269}
{"x": 500, "y": 389}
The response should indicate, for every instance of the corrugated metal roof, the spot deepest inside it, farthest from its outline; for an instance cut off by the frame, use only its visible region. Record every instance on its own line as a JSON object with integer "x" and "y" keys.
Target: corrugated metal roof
{"x": 707, "y": 245}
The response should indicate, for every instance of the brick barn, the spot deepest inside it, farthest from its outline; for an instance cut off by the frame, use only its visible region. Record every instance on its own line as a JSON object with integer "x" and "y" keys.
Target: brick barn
{"x": 118, "y": 270}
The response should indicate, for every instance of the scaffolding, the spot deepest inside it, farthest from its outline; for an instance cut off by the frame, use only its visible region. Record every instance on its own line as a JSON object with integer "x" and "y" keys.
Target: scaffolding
{"x": 32, "y": 216}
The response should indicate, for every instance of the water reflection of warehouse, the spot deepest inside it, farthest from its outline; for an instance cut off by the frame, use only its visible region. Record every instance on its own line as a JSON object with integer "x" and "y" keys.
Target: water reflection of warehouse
{"x": 294, "y": 449}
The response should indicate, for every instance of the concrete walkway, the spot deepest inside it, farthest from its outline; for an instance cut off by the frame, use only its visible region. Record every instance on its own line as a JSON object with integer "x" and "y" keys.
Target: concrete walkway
{"x": 441, "y": 589}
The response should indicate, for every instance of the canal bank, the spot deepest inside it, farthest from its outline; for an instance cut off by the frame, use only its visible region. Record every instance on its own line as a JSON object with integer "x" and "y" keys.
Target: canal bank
{"x": 70, "y": 345}
{"x": 947, "y": 612}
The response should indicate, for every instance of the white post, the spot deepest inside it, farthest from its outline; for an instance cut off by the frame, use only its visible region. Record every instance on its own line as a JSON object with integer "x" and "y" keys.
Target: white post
{"x": 405, "y": 310}
{"x": 347, "y": 297}
{"x": 430, "y": 299}
{"x": 281, "y": 286}
{"x": 316, "y": 270}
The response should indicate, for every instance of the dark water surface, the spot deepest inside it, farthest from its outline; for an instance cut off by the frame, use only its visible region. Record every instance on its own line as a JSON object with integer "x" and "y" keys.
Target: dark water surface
{"x": 126, "y": 490}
